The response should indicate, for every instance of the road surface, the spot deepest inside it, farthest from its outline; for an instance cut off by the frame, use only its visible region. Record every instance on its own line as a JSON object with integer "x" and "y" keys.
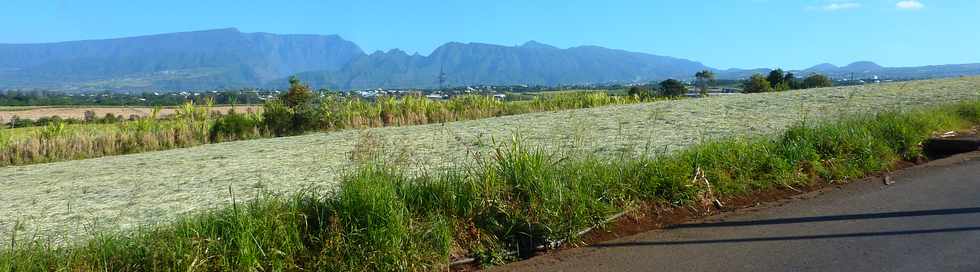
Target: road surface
{"x": 928, "y": 220}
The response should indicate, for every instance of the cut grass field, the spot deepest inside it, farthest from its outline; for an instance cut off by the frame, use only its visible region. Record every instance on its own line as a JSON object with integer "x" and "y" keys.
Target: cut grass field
{"x": 74, "y": 197}
{"x": 384, "y": 218}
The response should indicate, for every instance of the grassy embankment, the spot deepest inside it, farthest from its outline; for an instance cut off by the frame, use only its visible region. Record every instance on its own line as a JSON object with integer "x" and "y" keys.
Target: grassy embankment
{"x": 197, "y": 125}
{"x": 383, "y": 219}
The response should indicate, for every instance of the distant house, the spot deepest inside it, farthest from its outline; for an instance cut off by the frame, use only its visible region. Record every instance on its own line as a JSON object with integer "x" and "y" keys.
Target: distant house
{"x": 716, "y": 92}
{"x": 436, "y": 96}
{"x": 500, "y": 96}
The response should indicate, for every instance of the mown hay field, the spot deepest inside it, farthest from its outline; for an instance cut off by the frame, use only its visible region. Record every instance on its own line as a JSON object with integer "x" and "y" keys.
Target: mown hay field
{"x": 73, "y": 197}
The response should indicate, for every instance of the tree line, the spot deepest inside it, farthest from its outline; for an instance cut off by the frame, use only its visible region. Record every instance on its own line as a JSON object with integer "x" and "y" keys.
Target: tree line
{"x": 55, "y": 98}
{"x": 777, "y": 80}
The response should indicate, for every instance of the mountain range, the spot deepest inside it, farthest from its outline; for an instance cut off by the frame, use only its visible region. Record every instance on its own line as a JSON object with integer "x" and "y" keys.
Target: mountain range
{"x": 228, "y": 58}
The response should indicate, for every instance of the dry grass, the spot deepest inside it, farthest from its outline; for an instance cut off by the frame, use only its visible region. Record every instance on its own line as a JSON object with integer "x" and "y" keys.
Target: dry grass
{"x": 19, "y": 108}
{"x": 123, "y": 191}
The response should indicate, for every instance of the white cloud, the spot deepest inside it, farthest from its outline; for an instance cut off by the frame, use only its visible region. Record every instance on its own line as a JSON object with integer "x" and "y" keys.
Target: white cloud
{"x": 840, "y": 6}
{"x": 909, "y": 5}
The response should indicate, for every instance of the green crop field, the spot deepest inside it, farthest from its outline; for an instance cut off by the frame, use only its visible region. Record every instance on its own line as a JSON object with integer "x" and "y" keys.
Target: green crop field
{"x": 28, "y": 132}
{"x": 72, "y": 198}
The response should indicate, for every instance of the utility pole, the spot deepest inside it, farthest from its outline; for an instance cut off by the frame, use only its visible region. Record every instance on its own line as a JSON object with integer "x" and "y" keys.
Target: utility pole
{"x": 442, "y": 78}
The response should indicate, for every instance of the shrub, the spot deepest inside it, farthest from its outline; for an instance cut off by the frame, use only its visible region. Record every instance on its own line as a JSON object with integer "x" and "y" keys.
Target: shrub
{"x": 306, "y": 117}
{"x": 110, "y": 118}
{"x": 817, "y": 81}
{"x": 90, "y": 116}
{"x": 782, "y": 86}
{"x": 756, "y": 84}
{"x": 47, "y": 120}
{"x": 52, "y": 130}
{"x": 146, "y": 124}
{"x": 17, "y": 122}
{"x": 235, "y": 126}
{"x": 672, "y": 88}
{"x": 299, "y": 94}
{"x": 638, "y": 92}
{"x": 278, "y": 118}
{"x": 294, "y": 112}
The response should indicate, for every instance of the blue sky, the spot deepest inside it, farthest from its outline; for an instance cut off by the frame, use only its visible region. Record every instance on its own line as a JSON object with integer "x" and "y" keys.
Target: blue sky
{"x": 722, "y": 34}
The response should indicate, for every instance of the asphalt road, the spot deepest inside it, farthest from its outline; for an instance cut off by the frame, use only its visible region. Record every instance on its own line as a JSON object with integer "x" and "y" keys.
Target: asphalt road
{"x": 928, "y": 220}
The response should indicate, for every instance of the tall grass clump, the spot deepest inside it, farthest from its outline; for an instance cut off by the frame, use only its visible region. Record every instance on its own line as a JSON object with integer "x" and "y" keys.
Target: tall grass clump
{"x": 59, "y": 141}
{"x": 970, "y": 112}
{"x": 265, "y": 234}
{"x": 4, "y": 138}
{"x": 381, "y": 218}
{"x": 333, "y": 112}
{"x": 192, "y": 125}
{"x": 538, "y": 198}
{"x": 371, "y": 213}
{"x": 299, "y": 111}
{"x": 237, "y": 126}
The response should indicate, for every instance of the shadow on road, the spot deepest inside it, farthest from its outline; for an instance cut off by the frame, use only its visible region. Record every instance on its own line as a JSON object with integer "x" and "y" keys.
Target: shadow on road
{"x": 786, "y": 238}
{"x": 797, "y": 220}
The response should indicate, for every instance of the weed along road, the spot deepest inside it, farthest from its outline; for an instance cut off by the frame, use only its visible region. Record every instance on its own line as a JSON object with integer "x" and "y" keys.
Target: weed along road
{"x": 927, "y": 220}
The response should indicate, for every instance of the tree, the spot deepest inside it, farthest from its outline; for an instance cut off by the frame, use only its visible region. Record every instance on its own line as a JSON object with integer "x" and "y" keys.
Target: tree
{"x": 756, "y": 84}
{"x": 672, "y": 88}
{"x": 782, "y": 86}
{"x": 294, "y": 113}
{"x": 704, "y": 78}
{"x": 775, "y": 77}
{"x": 639, "y": 92}
{"x": 817, "y": 81}
{"x": 792, "y": 81}
{"x": 299, "y": 94}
